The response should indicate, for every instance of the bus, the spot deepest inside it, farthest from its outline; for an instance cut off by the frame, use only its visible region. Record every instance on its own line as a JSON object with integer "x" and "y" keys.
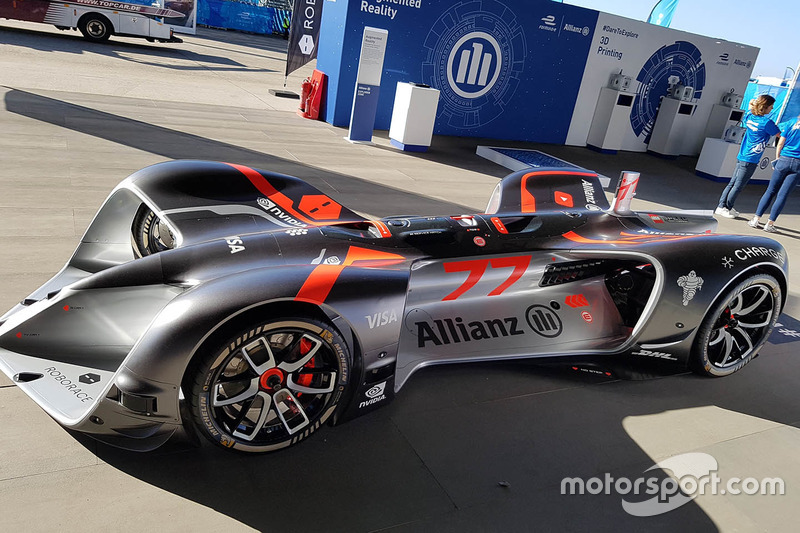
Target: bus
{"x": 97, "y": 20}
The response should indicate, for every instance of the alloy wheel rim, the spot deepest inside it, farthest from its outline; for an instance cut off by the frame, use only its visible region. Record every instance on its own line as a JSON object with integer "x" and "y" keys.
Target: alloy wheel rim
{"x": 275, "y": 386}
{"x": 741, "y": 327}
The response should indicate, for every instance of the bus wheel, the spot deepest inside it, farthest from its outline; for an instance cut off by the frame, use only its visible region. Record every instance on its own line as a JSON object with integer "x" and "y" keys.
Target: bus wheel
{"x": 95, "y": 28}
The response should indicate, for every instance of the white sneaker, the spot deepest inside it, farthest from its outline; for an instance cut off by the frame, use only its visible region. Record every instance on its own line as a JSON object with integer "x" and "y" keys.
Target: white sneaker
{"x": 719, "y": 210}
{"x": 726, "y": 213}
{"x": 769, "y": 228}
{"x": 733, "y": 212}
{"x": 753, "y": 222}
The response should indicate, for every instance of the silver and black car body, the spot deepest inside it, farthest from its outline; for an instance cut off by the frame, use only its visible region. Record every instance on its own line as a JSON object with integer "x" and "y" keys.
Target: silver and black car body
{"x": 267, "y": 309}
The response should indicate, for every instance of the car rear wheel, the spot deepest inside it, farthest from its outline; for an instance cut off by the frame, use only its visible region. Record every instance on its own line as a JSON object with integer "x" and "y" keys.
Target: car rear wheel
{"x": 270, "y": 386}
{"x": 736, "y": 328}
{"x": 149, "y": 234}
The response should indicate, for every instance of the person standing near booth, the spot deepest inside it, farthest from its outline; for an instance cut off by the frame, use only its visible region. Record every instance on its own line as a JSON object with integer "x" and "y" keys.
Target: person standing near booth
{"x": 759, "y": 127}
{"x": 784, "y": 177}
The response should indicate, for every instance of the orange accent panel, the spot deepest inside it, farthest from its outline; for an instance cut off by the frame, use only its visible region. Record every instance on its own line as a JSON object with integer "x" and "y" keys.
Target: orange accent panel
{"x": 383, "y": 228}
{"x": 576, "y": 300}
{"x": 527, "y": 199}
{"x": 320, "y": 207}
{"x": 319, "y": 283}
{"x": 629, "y": 238}
{"x": 499, "y": 225}
{"x": 563, "y": 198}
{"x": 283, "y": 201}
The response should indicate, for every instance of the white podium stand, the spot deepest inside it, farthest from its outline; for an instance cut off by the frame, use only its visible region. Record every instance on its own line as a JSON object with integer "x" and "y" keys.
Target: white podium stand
{"x": 717, "y": 162}
{"x": 611, "y": 116}
{"x": 413, "y": 116}
{"x": 671, "y": 126}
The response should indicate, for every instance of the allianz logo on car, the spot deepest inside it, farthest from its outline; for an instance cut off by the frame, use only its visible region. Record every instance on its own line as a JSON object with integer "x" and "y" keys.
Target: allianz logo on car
{"x": 541, "y": 319}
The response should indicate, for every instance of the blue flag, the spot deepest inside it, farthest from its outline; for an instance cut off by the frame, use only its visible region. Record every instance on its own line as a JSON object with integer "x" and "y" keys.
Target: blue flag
{"x": 662, "y": 12}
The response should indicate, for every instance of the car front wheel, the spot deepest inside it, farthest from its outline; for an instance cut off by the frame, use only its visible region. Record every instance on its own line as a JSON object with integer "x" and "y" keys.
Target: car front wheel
{"x": 269, "y": 386}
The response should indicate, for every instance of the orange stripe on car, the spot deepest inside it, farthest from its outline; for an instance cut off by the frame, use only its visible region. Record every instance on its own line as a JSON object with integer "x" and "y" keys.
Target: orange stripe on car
{"x": 321, "y": 280}
{"x": 499, "y": 225}
{"x": 382, "y": 228}
{"x": 318, "y": 204}
{"x": 628, "y": 238}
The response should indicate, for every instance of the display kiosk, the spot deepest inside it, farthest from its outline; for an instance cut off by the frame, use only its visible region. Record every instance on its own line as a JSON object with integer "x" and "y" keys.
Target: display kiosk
{"x": 413, "y": 116}
{"x": 721, "y": 118}
{"x": 717, "y": 161}
{"x": 671, "y": 127}
{"x": 718, "y": 157}
{"x": 611, "y": 116}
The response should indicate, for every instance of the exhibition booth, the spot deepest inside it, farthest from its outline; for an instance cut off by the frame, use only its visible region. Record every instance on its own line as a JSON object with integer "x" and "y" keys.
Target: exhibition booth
{"x": 537, "y": 71}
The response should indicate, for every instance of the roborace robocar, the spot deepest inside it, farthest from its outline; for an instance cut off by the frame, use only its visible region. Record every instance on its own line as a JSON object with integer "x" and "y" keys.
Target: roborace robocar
{"x": 265, "y": 308}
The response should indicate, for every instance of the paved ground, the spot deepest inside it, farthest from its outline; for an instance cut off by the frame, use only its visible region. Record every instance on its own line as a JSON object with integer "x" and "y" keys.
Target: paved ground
{"x": 467, "y": 448}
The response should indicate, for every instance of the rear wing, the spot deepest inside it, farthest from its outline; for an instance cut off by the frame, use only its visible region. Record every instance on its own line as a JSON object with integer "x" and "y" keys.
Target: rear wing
{"x": 548, "y": 189}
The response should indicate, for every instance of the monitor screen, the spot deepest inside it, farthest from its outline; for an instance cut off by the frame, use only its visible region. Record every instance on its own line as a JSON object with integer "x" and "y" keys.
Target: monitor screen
{"x": 685, "y": 109}
{"x": 736, "y": 115}
{"x": 625, "y": 100}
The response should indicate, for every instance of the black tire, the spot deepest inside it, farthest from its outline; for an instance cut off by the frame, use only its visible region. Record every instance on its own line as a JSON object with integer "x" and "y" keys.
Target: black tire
{"x": 269, "y": 387}
{"x": 95, "y": 28}
{"x": 736, "y": 328}
{"x": 149, "y": 234}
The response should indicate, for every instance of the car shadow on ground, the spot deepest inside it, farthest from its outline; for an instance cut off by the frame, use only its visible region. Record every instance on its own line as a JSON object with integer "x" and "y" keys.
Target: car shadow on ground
{"x": 474, "y": 447}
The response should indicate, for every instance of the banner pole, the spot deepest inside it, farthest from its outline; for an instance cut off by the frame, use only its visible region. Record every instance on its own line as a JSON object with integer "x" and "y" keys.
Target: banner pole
{"x": 291, "y": 42}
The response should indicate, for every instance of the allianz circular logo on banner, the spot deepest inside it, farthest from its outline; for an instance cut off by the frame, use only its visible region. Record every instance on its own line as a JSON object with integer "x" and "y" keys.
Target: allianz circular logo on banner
{"x": 475, "y": 54}
{"x": 473, "y": 65}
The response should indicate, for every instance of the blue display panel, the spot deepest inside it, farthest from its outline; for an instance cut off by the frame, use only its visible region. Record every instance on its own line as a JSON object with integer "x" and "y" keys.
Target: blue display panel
{"x": 754, "y": 90}
{"x": 253, "y": 17}
{"x": 681, "y": 60}
{"x": 505, "y": 70}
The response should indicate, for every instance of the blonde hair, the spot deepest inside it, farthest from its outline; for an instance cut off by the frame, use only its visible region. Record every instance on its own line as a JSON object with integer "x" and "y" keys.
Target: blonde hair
{"x": 760, "y": 105}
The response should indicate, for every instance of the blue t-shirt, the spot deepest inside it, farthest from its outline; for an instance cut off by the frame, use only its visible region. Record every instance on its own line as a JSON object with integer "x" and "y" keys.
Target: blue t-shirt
{"x": 791, "y": 130}
{"x": 758, "y": 130}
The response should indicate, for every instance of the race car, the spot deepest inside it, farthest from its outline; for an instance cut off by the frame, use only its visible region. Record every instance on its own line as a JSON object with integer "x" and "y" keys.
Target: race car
{"x": 254, "y": 308}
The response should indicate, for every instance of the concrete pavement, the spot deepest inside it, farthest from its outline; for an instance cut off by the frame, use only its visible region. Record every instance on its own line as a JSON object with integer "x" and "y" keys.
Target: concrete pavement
{"x": 76, "y": 118}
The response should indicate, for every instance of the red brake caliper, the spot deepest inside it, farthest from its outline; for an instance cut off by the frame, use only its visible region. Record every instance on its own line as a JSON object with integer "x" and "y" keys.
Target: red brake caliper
{"x": 305, "y": 347}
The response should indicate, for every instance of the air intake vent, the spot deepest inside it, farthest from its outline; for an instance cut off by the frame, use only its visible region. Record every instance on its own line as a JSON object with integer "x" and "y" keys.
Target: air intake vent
{"x": 569, "y": 272}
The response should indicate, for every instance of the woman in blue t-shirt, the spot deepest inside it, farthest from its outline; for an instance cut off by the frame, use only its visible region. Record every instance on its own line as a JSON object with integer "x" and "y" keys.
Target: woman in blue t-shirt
{"x": 784, "y": 177}
{"x": 758, "y": 130}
